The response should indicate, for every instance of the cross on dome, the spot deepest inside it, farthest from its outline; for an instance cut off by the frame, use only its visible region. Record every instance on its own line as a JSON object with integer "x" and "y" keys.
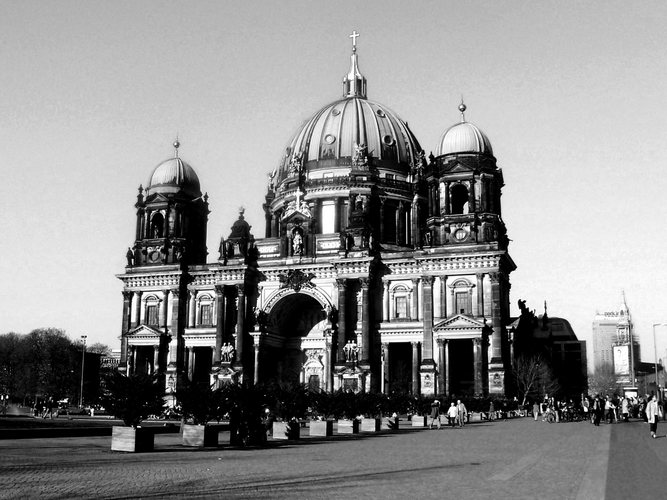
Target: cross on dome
{"x": 354, "y": 36}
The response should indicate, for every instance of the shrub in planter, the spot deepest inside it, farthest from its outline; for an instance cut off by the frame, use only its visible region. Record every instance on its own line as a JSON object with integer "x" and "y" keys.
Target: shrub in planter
{"x": 291, "y": 402}
{"x": 200, "y": 403}
{"x": 248, "y": 421}
{"x": 132, "y": 399}
{"x": 323, "y": 407}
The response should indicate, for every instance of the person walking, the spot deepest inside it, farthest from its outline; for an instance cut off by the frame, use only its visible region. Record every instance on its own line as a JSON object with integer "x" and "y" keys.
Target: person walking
{"x": 652, "y": 414}
{"x": 435, "y": 413}
{"x": 624, "y": 409}
{"x": 597, "y": 410}
{"x": 452, "y": 413}
{"x": 462, "y": 413}
{"x": 536, "y": 410}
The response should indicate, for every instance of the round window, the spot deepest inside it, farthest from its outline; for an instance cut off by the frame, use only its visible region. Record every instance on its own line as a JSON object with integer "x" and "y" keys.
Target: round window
{"x": 388, "y": 140}
{"x": 329, "y": 139}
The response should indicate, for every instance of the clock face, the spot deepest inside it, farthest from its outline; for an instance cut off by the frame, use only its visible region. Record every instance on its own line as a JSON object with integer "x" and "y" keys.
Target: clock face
{"x": 154, "y": 256}
{"x": 460, "y": 234}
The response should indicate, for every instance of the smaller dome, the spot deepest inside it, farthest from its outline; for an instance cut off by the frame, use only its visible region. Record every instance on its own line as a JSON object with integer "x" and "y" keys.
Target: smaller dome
{"x": 173, "y": 176}
{"x": 464, "y": 137}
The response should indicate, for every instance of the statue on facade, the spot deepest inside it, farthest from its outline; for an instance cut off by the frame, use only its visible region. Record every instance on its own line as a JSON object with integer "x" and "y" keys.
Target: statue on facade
{"x": 351, "y": 351}
{"x": 297, "y": 244}
{"x": 222, "y": 250}
{"x": 261, "y": 318}
{"x": 130, "y": 257}
{"x": 227, "y": 352}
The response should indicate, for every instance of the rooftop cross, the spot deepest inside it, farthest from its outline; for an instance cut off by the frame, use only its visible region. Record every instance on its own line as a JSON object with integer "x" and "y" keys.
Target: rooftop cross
{"x": 354, "y": 36}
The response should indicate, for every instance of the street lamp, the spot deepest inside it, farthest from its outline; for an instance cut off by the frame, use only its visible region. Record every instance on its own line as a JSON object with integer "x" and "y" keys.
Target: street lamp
{"x": 83, "y": 361}
{"x": 655, "y": 353}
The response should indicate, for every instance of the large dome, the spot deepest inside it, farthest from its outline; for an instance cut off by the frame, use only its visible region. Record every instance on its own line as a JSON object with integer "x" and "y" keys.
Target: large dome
{"x": 463, "y": 137}
{"x": 330, "y": 137}
{"x": 174, "y": 175}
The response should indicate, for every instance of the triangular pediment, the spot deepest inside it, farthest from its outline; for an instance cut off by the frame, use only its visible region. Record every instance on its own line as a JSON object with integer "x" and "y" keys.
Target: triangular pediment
{"x": 458, "y": 167}
{"x": 460, "y": 322}
{"x": 296, "y": 216}
{"x": 143, "y": 331}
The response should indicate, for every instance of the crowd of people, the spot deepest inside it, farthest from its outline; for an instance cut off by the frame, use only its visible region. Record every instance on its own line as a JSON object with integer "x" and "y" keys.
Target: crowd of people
{"x": 597, "y": 409}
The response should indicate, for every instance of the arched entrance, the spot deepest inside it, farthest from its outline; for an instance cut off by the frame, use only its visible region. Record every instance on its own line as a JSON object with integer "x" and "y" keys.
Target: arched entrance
{"x": 294, "y": 347}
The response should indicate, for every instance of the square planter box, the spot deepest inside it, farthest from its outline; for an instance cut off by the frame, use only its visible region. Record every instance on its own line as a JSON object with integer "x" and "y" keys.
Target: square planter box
{"x": 419, "y": 420}
{"x": 131, "y": 440}
{"x": 390, "y": 423}
{"x": 370, "y": 424}
{"x": 321, "y": 428}
{"x": 474, "y": 417}
{"x": 348, "y": 426}
{"x": 200, "y": 436}
{"x": 284, "y": 430}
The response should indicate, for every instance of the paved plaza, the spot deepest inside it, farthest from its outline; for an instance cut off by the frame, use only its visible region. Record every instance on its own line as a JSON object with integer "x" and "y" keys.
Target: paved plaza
{"x": 519, "y": 458}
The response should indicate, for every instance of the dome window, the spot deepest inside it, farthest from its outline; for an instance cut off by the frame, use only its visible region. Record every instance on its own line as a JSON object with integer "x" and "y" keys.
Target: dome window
{"x": 388, "y": 140}
{"x": 459, "y": 199}
{"x": 380, "y": 113}
{"x": 329, "y": 139}
{"x": 157, "y": 226}
{"x": 335, "y": 112}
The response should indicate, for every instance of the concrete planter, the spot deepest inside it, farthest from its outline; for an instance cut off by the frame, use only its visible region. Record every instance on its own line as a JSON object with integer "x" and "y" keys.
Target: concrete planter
{"x": 419, "y": 420}
{"x": 322, "y": 428}
{"x": 474, "y": 417}
{"x": 390, "y": 423}
{"x": 348, "y": 426}
{"x": 201, "y": 436}
{"x": 370, "y": 424}
{"x": 132, "y": 440}
{"x": 285, "y": 430}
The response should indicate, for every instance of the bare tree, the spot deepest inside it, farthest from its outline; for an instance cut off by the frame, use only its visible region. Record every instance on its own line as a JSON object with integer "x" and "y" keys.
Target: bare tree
{"x": 603, "y": 381}
{"x": 533, "y": 377}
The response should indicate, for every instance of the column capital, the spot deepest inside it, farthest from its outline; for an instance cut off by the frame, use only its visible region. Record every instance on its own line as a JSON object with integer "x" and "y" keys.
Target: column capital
{"x": 441, "y": 342}
{"x": 127, "y": 295}
{"x": 240, "y": 289}
{"x": 175, "y": 292}
{"x": 341, "y": 282}
{"x": 428, "y": 280}
{"x": 364, "y": 282}
{"x": 415, "y": 344}
{"x": 415, "y": 281}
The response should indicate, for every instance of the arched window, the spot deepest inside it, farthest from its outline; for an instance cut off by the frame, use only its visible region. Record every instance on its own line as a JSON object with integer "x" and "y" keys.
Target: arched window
{"x": 459, "y": 199}
{"x": 151, "y": 316}
{"x": 462, "y": 296}
{"x": 206, "y": 310}
{"x": 401, "y": 296}
{"x": 157, "y": 226}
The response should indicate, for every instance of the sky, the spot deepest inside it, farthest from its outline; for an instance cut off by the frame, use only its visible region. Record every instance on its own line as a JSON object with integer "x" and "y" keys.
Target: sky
{"x": 93, "y": 93}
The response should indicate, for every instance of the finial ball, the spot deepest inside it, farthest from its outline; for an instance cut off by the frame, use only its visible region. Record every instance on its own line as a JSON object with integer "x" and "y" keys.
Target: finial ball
{"x": 177, "y": 144}
{"x": 462, "y": 107}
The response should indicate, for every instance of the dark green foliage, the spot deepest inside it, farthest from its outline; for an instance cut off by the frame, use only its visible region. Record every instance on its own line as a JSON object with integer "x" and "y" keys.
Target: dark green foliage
{"x": 133, "y": 398}
{"x": 200, "y": 403}
{"x": 289, "y": 400}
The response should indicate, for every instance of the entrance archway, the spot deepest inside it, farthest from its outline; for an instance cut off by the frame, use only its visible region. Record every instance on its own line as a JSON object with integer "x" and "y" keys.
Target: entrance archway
{"x": 294, "y": 343}
{"x": 461, "y": 367}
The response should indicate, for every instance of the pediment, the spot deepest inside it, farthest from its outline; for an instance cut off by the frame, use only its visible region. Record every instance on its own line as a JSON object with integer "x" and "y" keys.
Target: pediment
{"x": 460, "y": 322}
{"x": 458, "y": 167}
{"x": 297, "y": 216}
{"x": 143, "y": 331}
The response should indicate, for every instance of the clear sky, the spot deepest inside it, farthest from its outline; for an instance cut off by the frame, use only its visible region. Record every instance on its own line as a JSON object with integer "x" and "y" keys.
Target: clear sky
{"x": 92, "y": 94}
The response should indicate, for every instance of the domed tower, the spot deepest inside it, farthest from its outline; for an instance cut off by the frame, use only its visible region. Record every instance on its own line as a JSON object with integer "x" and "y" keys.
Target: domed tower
{"x": 351, "y": 170}
{"x": 171, "y": 217}
{"x": 464, "y": 189}
{"x": 464, "y": 217}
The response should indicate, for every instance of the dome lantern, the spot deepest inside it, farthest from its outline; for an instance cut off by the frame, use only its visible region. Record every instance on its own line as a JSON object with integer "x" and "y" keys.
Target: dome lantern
{"x": 354, "y": 83}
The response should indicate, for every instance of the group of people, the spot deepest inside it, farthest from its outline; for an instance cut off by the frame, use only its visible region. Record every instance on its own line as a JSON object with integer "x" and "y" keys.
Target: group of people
{"x": 456, "y": 414}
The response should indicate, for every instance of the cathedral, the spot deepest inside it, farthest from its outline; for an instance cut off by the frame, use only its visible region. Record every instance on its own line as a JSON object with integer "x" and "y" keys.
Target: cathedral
{"x": 380, "y": 268}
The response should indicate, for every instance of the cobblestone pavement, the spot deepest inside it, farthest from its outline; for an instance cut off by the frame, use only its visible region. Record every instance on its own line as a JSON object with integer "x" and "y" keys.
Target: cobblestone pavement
{"x": 519, "y": 458}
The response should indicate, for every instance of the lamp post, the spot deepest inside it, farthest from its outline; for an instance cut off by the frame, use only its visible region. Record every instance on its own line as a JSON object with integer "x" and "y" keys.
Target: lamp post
{"x": 655, "y": 353}
{"x": 83, "y": 361}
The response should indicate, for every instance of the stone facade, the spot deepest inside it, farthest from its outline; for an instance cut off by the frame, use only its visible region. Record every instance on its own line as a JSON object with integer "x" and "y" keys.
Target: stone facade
{"x": 379, "y": 270}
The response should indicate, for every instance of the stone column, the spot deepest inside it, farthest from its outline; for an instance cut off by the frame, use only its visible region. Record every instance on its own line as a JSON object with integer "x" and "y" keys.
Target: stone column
{"x": 382, "y": 202}
{"x": 427, "y": 309}
{"x": 400, "y": 229}
{"x": 219, "y": 322}
{"x": 164, "y": 310}
{"x": 137, "y": 308}
{"x": 392, "y": 306}
{"x": 415, "y": 368}
{"x": 443, "y": 295}
{"x": 365, "y": 321}
{"x": 384, "y": 387}
{"x": 337, "y": 227}
{"x": 447, "y": 375}
{"x": 342, "y": 297}
{"x": 177, "y": 343}
{"x": 415, "y": 299}
{"x": 477, "y": 346}
{"x": 328, "y": 372}
{"x": 156, "y": 358}
{"x": 496, "y": 347}
{"x": 240, "y": 323}
{"x": 192, "y": 306}
{"x": 442, "y": 366}
{"x": 385, "y": 301}
{"x": 124, "y": 328}
{"x": 471, "y": 195}
{"x": 446, "y": 207}
{"x": 133, "y": 360}
{"x": 256, "y": 371}
{"x": 480, "y": 295}
{"x": 191, "y": 362}
{"x": 437, "y": 301}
